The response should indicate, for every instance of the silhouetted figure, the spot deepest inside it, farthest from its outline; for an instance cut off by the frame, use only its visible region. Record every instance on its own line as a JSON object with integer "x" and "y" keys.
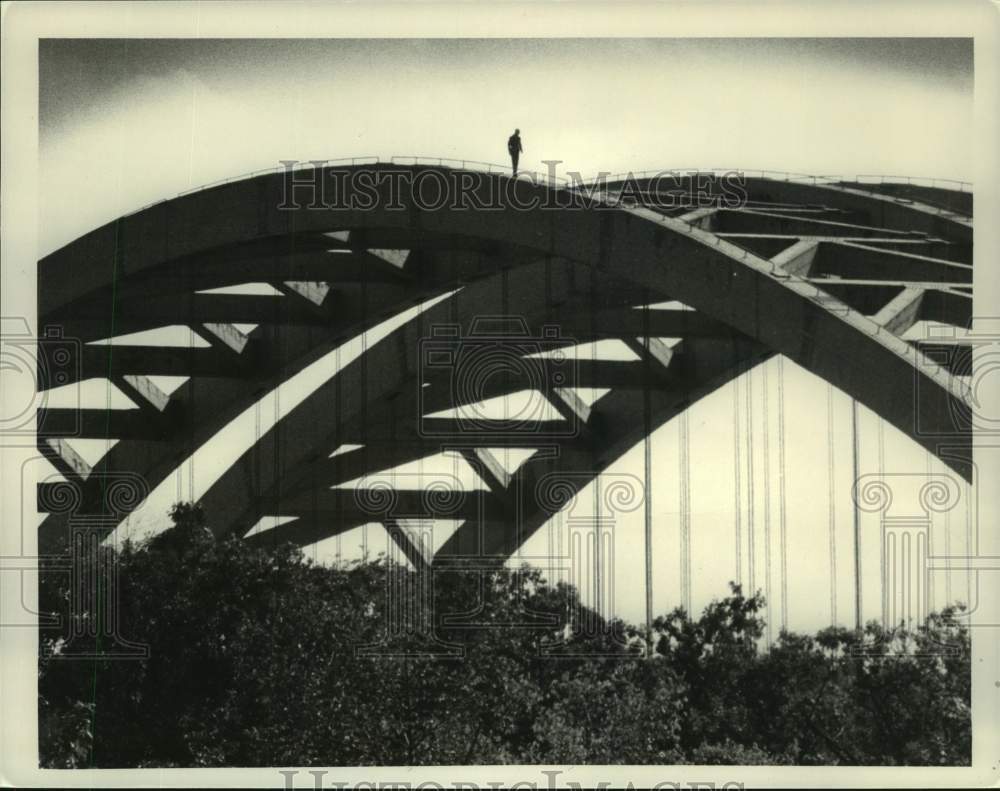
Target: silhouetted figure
{"x": 514, "y": 148}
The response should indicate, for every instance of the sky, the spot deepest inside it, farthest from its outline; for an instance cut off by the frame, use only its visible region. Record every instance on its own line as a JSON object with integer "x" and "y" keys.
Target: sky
{"x": 123, "y": 123}
{"x": 127, "y": 122}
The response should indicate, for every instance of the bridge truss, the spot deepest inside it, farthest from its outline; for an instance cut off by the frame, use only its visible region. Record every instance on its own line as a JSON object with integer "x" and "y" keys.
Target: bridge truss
{"x": 831, "y": 275}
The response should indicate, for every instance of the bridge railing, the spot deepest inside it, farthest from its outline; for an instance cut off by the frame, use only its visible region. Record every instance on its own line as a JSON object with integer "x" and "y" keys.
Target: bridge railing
{"x": 307, "y": 164}
{"x": 842, "y": 181}
{"x": 538, "y": 177}
{"x": 872, "y": 184}
{"x": 917, "y": 181}
{"x": 929, "y": 204}
{"x": 801, "y": 285}
{"x": 464, "y": 164}
{"x": 483, "y": 167}
{"x": 815, "y": 178}
{"x": 780, "y": 175}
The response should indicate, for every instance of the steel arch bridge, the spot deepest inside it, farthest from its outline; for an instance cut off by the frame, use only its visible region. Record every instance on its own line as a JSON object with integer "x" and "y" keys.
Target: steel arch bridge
{"x": 829, "y": 274}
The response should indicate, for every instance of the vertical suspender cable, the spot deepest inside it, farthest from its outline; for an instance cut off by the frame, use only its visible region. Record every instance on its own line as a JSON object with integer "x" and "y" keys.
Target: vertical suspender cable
{"x": 855, "y": 453}
{"x": 881, "y": 537}
{"x": 277, "y": 477}
{"x": 685, "y": 476}
{"x": 751, "y": 548}
{"x": 767, "y": 502}
{"x": 831, "y": 503}
{"x": 970, "y": 513}
{"x": 947, "y": 551}
{"x": 550, "y": 532}
{"x": 647, "y": 474}
{"x": 926, "y": 592}
{"x": 339, "y": 514}
{"x": 363, "y": 403}
{"x": 781, "y": 493}
{"x": 191, "y": 383}
{"x": 737, "y": 499}
{"x": 596, "y": 483}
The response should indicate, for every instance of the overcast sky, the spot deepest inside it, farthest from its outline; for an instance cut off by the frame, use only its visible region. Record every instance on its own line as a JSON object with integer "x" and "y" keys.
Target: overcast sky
{"x": 128, "y": 122}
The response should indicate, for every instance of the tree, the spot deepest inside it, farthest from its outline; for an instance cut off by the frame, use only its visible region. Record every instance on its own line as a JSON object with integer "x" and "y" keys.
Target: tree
{"x": 713, "y": 656}
{"x": 610, "y": 711}
{"x": 260, "y": 657}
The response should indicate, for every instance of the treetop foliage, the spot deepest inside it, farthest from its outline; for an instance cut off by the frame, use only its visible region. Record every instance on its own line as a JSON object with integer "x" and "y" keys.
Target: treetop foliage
{"x": 260, "y": 657}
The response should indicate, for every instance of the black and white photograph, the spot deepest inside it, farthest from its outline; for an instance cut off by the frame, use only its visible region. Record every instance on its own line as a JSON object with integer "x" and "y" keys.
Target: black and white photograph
{"x": 461, "y": 395}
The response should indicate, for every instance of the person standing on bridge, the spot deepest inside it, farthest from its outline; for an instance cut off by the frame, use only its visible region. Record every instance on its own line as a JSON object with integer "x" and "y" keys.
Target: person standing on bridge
{"x": 514, "y": 148}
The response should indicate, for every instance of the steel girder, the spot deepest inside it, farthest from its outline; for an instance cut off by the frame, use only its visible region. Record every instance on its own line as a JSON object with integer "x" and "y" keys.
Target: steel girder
{"x": 834, "y": 300}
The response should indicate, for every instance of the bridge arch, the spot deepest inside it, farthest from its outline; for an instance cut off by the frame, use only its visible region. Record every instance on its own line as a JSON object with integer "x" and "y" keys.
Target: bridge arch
{"x": 586, "y": 268}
